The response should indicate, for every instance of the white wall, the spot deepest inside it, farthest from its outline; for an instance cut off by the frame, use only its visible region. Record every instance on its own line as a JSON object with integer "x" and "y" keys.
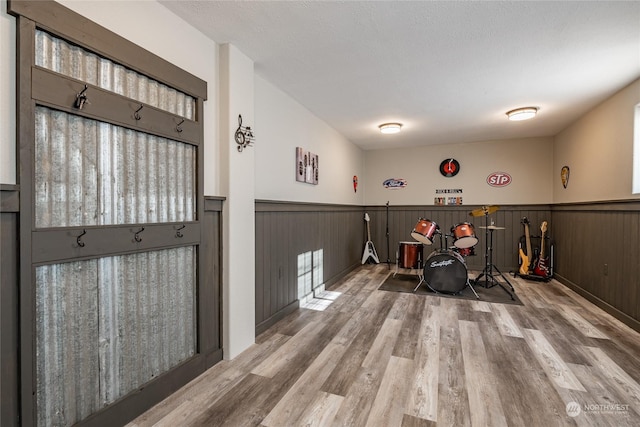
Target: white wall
{"x": 528, "y": 161}
{"x": 237, "y": 178}
{"x": 281, "y": 125}
{"x": 598, "y": 148}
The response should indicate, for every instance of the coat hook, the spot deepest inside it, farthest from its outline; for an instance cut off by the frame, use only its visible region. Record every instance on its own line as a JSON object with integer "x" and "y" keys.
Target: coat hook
{"x": 137, "y": 235}
{"x": 81, "y": 98}
{"x": 178, "y": 232}
{"x": 136, "y": 115}
{"x": 178, "y": 128}
{"x": 79, "y": 238}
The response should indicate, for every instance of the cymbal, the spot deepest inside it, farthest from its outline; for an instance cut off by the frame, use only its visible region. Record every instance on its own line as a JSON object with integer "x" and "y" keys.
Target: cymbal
{"x": 493, "y": 227}
{"x": 485, "y": 210}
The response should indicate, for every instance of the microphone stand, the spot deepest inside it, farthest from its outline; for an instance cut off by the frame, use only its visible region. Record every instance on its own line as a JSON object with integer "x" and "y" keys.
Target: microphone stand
{"x": 388, "y": 259}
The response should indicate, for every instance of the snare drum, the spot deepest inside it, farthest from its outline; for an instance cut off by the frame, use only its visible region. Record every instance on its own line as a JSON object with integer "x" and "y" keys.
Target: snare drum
{"x": 464, "y": 235}
{"x": 424, "y": 231}
{"x": 445, "y": 272}
{"x": 410, "y": 255}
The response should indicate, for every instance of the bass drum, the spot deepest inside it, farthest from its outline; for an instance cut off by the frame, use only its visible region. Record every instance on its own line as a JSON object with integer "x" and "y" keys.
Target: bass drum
{"x": 445, "y": 272}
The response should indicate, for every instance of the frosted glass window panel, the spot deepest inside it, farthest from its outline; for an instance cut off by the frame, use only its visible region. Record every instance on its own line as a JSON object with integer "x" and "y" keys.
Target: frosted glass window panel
{"x": 58, "y": 55}
{"x": 94, "y": 173}
{"x": 107, "y": 326}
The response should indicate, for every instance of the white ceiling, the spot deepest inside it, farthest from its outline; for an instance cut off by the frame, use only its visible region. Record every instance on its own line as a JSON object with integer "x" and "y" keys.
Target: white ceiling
{"x": 447, "y": 70}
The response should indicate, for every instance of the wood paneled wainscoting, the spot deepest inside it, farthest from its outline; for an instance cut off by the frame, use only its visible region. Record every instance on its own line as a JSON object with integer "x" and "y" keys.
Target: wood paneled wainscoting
{"x": 306, "y": 244}
{"x": 598, "y": 253}
{"x": 403, "y": 219}
{"x": 210, "y": 292}
{"x": 9, "y": 329}
{"x": 288, "y": 230}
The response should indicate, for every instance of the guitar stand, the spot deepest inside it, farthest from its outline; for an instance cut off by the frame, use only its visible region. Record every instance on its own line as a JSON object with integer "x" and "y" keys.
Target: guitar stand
{"x": 533, "y": 276}
{"x": 490, "y": 277}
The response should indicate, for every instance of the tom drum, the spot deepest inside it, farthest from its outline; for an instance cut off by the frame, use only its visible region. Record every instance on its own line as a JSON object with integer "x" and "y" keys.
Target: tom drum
{"x": 424, "y": 231}
{"x": 464, "y": 235}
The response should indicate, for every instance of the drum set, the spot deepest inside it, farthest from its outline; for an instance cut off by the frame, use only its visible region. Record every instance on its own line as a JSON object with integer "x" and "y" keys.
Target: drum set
{"x": 445, "y": 270}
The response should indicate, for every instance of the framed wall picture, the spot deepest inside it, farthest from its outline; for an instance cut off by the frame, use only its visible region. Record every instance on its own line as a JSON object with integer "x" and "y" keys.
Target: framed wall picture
{"x": 307, "y": 166}
{"x": 315, "y": 161}
{"x": 301, "y": 165}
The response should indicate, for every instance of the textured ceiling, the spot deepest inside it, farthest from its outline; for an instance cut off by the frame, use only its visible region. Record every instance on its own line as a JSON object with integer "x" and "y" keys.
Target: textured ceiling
{"x": 447, "y": 70}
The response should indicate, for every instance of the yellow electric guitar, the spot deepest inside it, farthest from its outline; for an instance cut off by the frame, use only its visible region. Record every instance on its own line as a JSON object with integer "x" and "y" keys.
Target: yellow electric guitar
{"x": 525, "y": 264}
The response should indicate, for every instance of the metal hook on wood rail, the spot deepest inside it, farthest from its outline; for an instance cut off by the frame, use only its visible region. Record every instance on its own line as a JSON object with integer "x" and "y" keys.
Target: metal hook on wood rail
{"x": 137, "y": 235}
{"x": 79, "y": 238}
{"x": 178, "y": 232}
{"x": 137, "y": 115}
{"x": 178, "y": 128}
{"x": 81, "y": 98}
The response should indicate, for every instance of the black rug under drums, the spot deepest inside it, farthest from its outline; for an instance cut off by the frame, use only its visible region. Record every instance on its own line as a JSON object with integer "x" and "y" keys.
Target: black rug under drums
{"x": 407, "y": 282}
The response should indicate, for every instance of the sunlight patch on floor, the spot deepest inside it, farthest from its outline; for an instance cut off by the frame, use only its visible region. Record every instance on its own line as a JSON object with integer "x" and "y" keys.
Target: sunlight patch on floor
{"x": 321, "y": 300}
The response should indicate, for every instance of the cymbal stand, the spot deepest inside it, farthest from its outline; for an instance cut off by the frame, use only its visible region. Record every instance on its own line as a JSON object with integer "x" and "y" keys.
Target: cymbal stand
{"x": 490, "y": 277}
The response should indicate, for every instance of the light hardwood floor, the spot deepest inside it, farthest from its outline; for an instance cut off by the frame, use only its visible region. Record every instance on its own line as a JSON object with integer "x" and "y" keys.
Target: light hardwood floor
{"x": 378, "y": 358}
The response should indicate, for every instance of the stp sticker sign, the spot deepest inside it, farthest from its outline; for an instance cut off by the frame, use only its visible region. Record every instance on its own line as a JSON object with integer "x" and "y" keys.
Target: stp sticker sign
{"x": 499, "y": 179}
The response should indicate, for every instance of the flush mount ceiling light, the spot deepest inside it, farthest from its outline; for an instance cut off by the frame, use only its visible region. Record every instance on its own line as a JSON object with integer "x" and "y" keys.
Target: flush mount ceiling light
{"x": 524, "y": 113}
{"x": 390, "y": 127}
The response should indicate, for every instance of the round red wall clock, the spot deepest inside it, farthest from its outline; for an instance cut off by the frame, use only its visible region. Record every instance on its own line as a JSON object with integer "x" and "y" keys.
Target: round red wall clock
{"x": 449, "y": 167}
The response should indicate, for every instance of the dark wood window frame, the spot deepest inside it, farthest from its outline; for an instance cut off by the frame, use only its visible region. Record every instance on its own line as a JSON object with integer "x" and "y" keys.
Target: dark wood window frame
{"x": 38, "y": 86}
